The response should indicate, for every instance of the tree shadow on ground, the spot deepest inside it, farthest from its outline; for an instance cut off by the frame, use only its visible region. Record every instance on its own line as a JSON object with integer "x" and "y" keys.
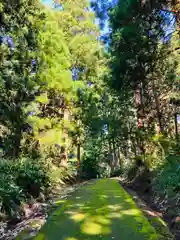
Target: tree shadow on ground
{"x": 101, "y": 210}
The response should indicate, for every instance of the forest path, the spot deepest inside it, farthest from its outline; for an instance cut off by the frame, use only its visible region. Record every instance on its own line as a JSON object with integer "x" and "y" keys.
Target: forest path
{"x": 100, "y": 210}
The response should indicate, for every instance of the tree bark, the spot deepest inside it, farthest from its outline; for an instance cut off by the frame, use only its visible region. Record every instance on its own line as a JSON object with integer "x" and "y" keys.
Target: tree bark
{"x": 111, "y": 155}
{"x": 120, "y": 160}
{"x": 79, "y": 154}
{"x": 161, "y": 129}
{"x": 176, "y": 126}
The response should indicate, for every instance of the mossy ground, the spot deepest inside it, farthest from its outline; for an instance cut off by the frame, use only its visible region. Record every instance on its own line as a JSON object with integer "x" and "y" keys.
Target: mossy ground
{"x": 101, "y": 210}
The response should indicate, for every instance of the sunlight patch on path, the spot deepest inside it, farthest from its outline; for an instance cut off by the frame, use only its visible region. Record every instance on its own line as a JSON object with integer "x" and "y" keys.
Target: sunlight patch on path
{"x": 100, "y": 210}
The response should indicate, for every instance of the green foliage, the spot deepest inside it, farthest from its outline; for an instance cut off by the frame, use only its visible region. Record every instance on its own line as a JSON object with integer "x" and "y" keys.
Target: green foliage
{"x": 33, "y": 176}
{"x": 132, "y": 171}
{"x": 104, "y": 170}
{"x": 10, "y": 193}
{"x": 61, "y": 93}
{"x": 167, "y": 178}
{"x": 21, "y": 179}
{"x": 92, "y": 168}
{"x": 40, "y": 106}
{"x": 20, "y": 27}
{"x": 117, "y": 173}
{"x": 89, "y": 168}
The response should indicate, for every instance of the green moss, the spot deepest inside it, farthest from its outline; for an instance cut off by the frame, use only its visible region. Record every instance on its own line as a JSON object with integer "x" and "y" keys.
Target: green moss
{"x": 99, "y": 210}
{"x": 161, "y": 228}
{"x": 23, "y": 235}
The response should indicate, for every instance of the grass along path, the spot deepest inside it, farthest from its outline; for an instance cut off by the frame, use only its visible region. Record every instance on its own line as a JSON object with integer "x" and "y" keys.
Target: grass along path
{"x": 100, "y": 210}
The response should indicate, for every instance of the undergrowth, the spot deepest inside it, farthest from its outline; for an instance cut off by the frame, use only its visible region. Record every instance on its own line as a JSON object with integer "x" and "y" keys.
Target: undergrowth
{"x": 22, "y": 180}
{"x": 160, "y": 172}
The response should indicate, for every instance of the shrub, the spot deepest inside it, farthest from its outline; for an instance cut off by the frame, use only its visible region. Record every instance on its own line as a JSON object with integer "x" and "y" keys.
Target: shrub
{"x": 166, "y": 184}
{"x": 135, "y": 167}
{"x": 89, "y": 168}
{"x": 19, "y": 180}
{"x": 62, "y": 175}
{"x": 103, "y": 170}
{"x": 167, "y": 176}
{"x": 117, "y": 173}
{"x": 33, "y": 176}
{"x": 11, "y": 194}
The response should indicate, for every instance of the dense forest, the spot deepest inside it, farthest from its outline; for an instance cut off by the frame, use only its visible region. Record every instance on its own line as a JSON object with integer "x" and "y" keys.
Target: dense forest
{"x": 89, "y": 89}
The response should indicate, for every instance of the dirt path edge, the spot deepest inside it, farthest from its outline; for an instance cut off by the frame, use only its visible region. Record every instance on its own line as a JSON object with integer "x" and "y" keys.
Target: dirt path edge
{"x": 153, "y": 217}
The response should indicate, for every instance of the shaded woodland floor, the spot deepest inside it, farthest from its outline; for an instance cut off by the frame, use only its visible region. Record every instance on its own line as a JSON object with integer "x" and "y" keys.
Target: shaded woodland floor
{"x": 154, "y": 209}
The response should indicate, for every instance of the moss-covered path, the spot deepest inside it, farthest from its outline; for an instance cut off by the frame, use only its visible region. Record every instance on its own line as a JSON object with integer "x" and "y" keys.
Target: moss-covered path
{"x": 101, "y": 210}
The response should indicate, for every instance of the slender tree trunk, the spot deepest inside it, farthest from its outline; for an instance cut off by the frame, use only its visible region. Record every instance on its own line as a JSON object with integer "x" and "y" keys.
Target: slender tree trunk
{"x": 159, "y": 114}
{"x": 138, "y": 103}
{"x": 157, "y": 103}
{"x": 114, "y": 154}
{"x": 111, "y": 155}
{"x": 64, "y": 158}
{"x": 176, "y": 126}
{"x": 79, "y": 153}
{"x": 114, "y": 148}
{"x": 120, "y": 160}
{"x": 79, "y": 161}
{"x": 134, "y": 145}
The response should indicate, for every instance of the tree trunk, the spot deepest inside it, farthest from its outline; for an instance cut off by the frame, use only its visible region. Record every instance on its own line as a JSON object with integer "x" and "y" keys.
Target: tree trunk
{"x": 115, "y": 158}
{"x": 111, "y": 155}
{"x": 114, "y": 148}
{"x": 176, "y": 126}
{"x": 64, "y": 158}
{"x": 79, "y": 154}
{"x": 157, "y": 107}
{"x": 120, "y": 160}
